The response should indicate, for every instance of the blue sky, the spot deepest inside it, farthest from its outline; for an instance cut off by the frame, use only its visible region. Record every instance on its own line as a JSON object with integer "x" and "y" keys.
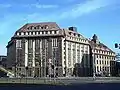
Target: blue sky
{"x": 101, "y": 17}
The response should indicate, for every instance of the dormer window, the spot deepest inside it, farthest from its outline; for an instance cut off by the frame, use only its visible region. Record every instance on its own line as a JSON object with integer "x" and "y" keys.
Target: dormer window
{"x": 45, "y": 26}
{"x": 74, "y": 34}
{"x": 41, "y": 27}
{"x": 34, "y": 27}
{"x": 31, "y": 27}
{"x": 38, "y": 27}
{"x": 70, "y": 33}
{"x": 78, "y": 35}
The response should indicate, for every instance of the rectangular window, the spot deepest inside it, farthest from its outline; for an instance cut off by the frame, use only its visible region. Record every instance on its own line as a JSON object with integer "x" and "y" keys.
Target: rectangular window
{"x": 18, "y": 44}
{"x": 97, "y": 69}
{"x": 55, "y": 32}
{"x": 50, "y": 32}
{"x": 97, "y": 61}
{"x": 100, "y": 61}
{"x": 46, "y": 32}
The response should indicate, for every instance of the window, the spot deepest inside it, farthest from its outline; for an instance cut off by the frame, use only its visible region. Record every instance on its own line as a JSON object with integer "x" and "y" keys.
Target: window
{"x": 31, "y": 33}
{"x": 100, "y": 61}
{"x": 70, "y": 33}
{"x": 74, "y": 34}
{"x": 50, "y": 32}
{"x": 100, "y": 68}
{"x": 24, "y": 33}
{"x": 46, "y": 32}
{"x": 97, "y": 68}
{"x": 37, "y": 27}
{"x": 97, "y": 61}
{"x": 30, "y": 43}
{"x": 42, "y": 32}
{"x": 105, "y": 62}
{"x": 19, "y": 33}
{"x": 55, "y": 32}
{"x": 105, "y": 68}
{"x": 18, "y": 44}
{"x": 41, "y": 27}
{"x": 97, "y": 56}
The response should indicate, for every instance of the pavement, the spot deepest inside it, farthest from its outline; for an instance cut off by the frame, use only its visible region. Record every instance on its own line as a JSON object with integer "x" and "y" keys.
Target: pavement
{"x": 61, "y": 80}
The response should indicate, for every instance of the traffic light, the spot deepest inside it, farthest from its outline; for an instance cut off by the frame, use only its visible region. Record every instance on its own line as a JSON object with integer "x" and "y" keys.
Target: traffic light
{"x": 116, "y": 45}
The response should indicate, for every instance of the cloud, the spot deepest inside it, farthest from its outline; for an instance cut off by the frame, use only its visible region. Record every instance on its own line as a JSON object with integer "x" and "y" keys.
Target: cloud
{"x": 87, "y": 7}
{"x": 5, "y": 5}
{"x": 42, "y": 6}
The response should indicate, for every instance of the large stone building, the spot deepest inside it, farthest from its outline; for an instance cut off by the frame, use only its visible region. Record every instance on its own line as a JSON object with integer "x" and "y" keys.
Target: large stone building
{"x": 102, "y": 57}
{"x": 41, "y": 49}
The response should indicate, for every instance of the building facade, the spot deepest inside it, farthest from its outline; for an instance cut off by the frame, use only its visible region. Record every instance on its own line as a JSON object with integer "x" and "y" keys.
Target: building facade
{"x": 76, "y": 55}
{"x": 3, "y": 59}
{"x": 102, "y": 57}
{"x": 44, "y": 49}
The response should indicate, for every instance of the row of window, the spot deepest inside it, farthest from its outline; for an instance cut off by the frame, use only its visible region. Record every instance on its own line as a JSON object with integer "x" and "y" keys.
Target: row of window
{"x": 100, "y": 68}
{"x": 77, "y": 39}
{"x": 74, "y": 34}
{"x": 103, "y": 52}
{"x": 37, "y": 33}
{"x": 105, "y": 57}
{"x": 38, "y": 27}
{"x": 103, "y": 62}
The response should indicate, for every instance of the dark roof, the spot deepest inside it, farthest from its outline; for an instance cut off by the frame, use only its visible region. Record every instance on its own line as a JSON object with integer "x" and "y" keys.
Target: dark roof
{"x": 101, "y": 45}
{"x": 50, "y": 26}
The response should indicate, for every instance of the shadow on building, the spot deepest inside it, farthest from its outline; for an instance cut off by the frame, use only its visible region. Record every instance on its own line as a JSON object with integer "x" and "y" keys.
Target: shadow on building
{"x": 115, "y": 68}
{"x": 84, "y": 69}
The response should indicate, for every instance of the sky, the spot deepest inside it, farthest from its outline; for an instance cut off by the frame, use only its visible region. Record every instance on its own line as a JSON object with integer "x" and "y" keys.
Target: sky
{"x": 100, "y": 17}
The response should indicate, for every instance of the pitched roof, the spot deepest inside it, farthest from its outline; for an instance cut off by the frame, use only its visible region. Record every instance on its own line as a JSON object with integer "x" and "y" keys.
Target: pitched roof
{"x": 44, "y": 25}
{"x": 100, "y": 45}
